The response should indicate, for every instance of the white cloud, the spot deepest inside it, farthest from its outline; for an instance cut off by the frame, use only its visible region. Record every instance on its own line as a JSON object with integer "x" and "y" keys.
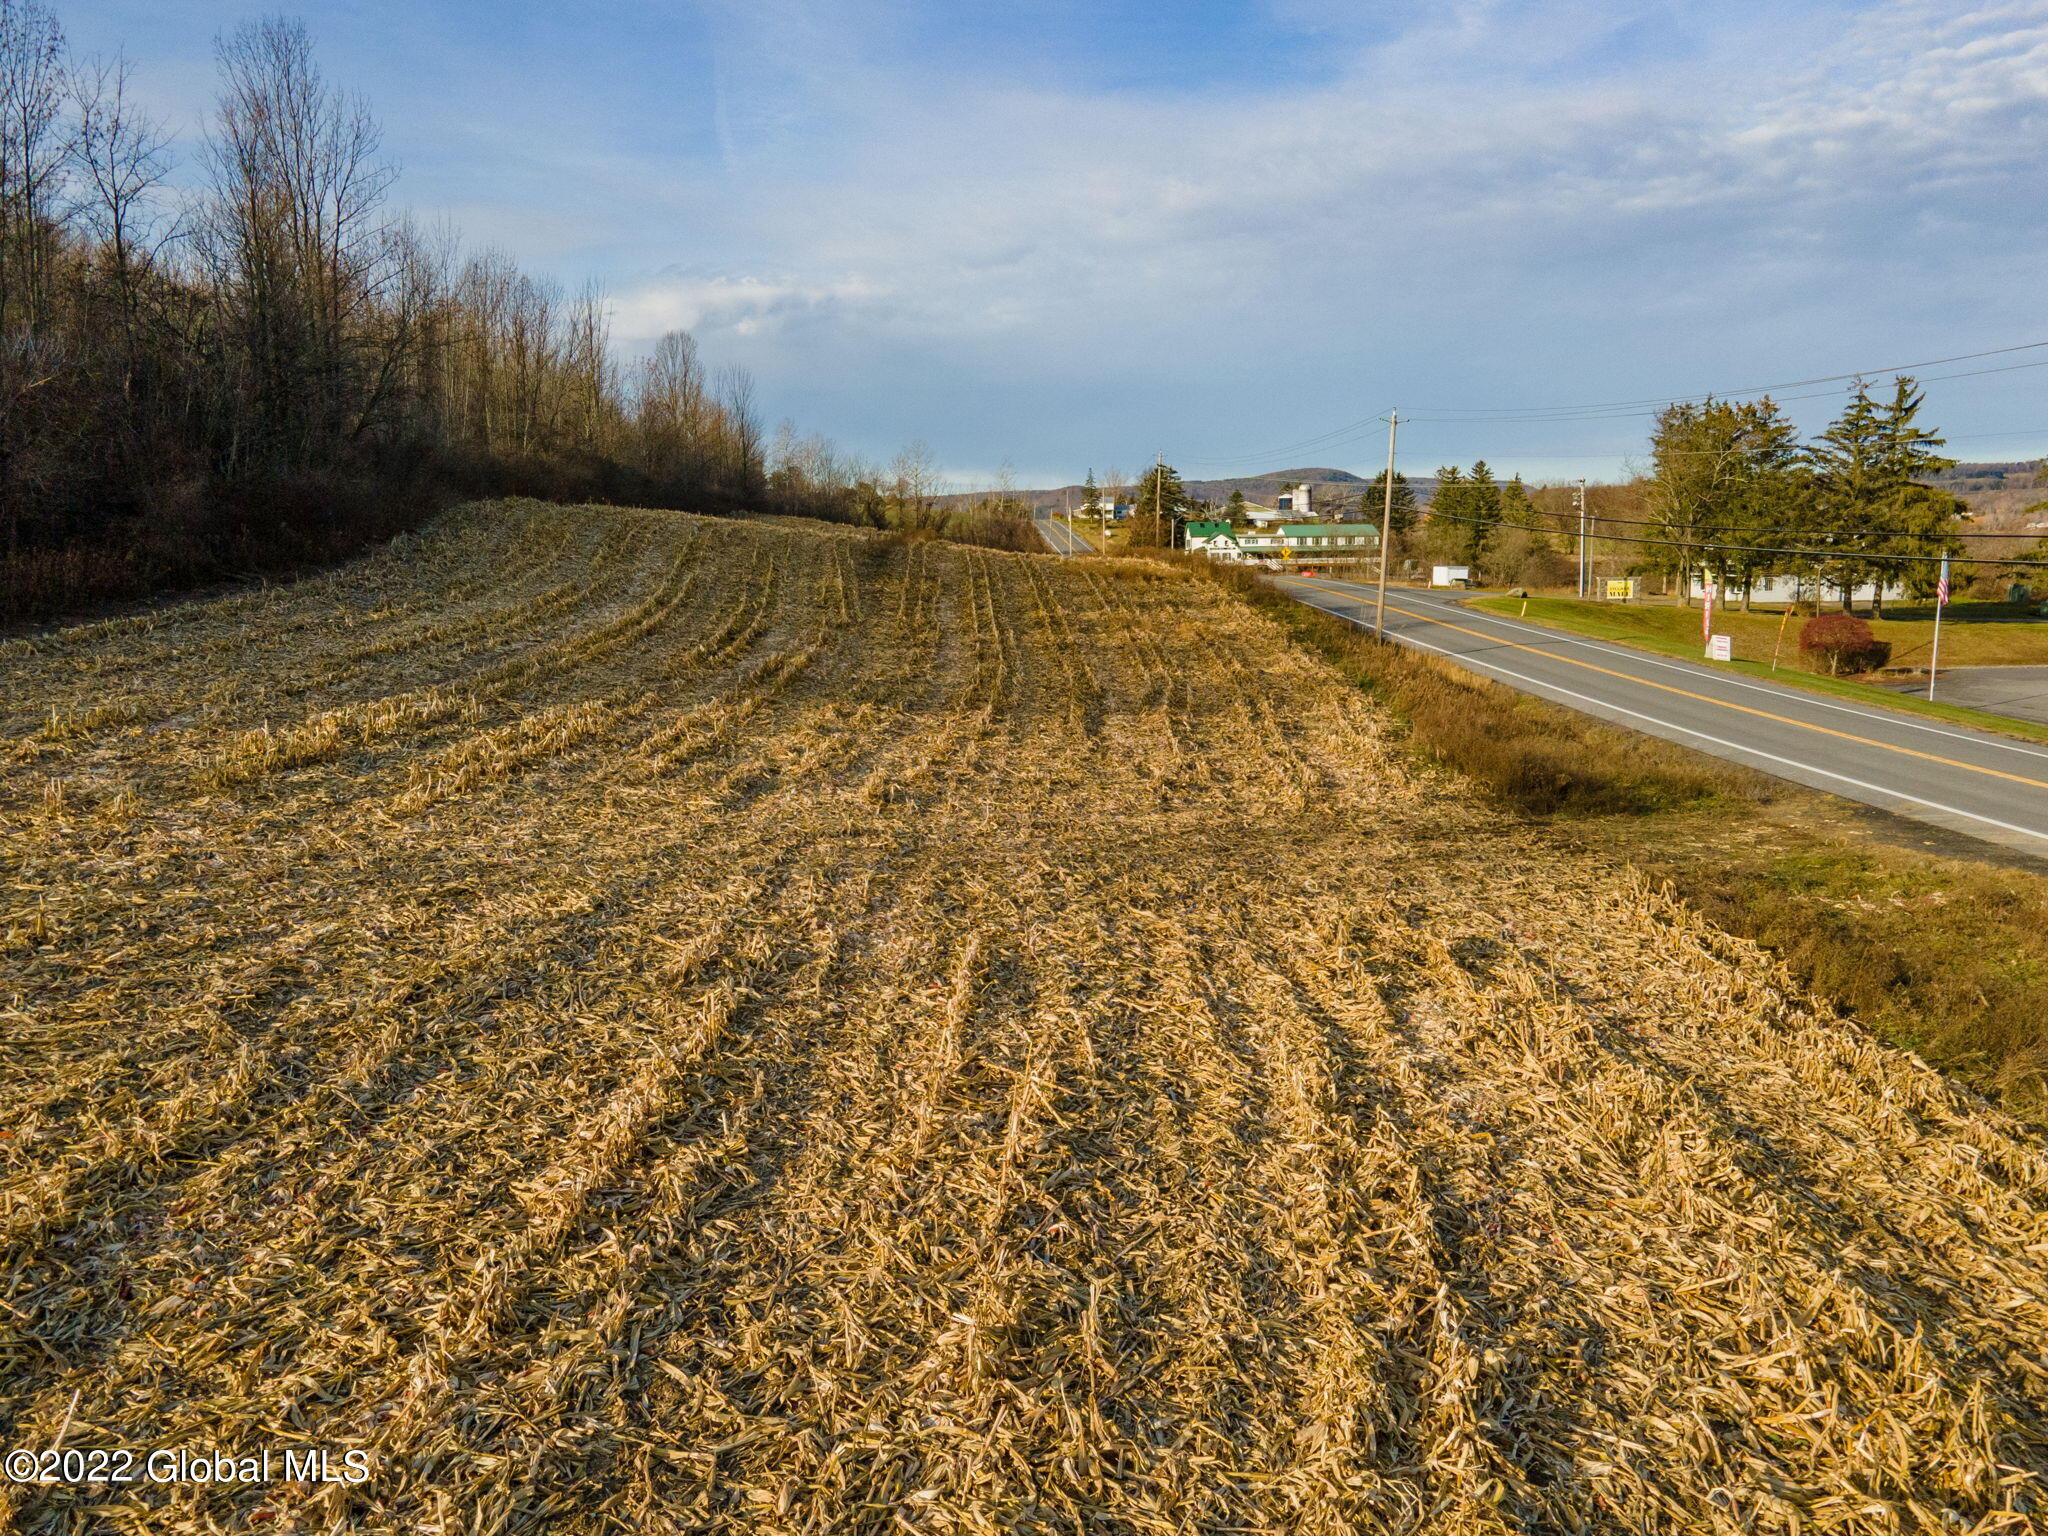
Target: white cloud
{"x": 740, "y": 306}
{"x": 1469, "y": 195}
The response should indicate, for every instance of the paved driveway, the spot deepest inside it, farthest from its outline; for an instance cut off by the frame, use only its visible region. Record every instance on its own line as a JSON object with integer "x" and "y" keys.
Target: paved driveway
{"x": 2020, "y": 692}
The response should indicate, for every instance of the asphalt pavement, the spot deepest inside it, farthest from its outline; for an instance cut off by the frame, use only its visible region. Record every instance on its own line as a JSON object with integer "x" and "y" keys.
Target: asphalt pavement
{"x": 2021, "y": 692}
{"x": 1061, "y": 539}
{"x": 1976, "y": 782}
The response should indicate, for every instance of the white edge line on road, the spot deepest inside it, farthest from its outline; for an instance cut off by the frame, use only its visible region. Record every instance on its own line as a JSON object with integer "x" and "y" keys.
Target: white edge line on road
{"x": 1612, "y": 651}
{"x": 1600, "y": 705}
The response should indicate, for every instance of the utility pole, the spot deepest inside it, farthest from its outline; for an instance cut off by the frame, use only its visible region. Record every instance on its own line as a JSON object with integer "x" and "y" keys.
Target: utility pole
{"x": 1585, "y": 586}
{"x": 1159, "y": 500}
{"x": 1072, "y": 541}
{"x": 1379, "y": 607}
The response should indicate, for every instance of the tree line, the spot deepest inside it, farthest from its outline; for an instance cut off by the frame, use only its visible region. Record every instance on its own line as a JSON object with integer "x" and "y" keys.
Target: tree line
{"x": 1733, "y": 495}
{"x": 1738, "y": 497}
{"x": 276, "y": 367}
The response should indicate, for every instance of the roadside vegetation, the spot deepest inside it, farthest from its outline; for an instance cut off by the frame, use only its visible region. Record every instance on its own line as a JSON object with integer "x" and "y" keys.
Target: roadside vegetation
{"x": 1863, "y": 514}
{"x": 1972, "y": 634}
{"x": 1947, "y": 956}
{"x": 639, "y": 1021}
{"x": 1986, "y": 634}
{"x": 264, "y": 365}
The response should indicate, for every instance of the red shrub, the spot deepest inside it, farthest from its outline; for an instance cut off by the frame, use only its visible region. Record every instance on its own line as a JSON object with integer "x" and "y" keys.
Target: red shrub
{"x": 1843, "y": 643}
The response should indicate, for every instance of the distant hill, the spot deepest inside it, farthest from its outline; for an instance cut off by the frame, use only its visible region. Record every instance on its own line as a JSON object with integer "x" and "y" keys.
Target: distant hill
{"x": 1330, "y": 489}
{"x": 1998, "y": 494}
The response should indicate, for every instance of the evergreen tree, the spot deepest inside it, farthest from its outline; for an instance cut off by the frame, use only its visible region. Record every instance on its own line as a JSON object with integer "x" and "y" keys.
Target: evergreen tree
{"x": 1922, "y": 516}
{"x": 1772, "y": 489}
{"x": 1372, "y": 502}
{"x": 1161, "y": 507}
{"x": 1447, "y": 510}
{"x": 1515, "y": 506}
{"x": 1725, "y": 481}
{"x": 1870, "y": 497}
{"x": 1526, "y": 536}
{"x": 1091, "y": 494}
{"x": 1482, "y": 499}
{"x": 1237, "y": 509}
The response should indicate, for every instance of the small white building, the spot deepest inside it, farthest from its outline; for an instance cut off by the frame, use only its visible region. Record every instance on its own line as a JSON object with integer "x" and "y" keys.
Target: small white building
{"x": 1783, "y": 589}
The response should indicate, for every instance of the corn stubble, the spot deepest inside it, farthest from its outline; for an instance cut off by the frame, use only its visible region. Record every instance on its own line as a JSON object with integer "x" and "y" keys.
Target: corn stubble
{"x": 651, "y": 1024}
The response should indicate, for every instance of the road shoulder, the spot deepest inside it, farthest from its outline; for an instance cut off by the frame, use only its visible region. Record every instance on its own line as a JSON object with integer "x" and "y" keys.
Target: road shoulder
{"x": 1500, "y": 606}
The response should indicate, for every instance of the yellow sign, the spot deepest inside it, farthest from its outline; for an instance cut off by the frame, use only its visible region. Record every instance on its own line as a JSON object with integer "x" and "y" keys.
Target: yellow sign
{"x": 1620, "y": 591}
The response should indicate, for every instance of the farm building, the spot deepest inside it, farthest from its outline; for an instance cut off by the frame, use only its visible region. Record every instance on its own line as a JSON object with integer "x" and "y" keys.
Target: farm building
{"x": 1298, "y": 541}
{"x": 1212, "y": 537}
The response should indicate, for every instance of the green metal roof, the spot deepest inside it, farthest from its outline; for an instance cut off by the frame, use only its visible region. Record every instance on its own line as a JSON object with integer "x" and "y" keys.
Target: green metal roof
{"x": 1207, "y": 530}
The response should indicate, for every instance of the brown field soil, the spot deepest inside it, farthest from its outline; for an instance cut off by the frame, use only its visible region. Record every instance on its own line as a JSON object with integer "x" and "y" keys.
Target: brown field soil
{"x": 638, "y": 1022}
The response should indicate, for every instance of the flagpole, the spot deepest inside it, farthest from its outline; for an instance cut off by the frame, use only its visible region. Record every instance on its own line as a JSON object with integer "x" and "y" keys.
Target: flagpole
{"x": 1940, "y": 602}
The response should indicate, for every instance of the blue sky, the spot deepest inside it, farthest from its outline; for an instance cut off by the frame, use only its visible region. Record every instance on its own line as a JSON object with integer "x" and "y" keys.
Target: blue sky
{"x": 1071, "y": 234}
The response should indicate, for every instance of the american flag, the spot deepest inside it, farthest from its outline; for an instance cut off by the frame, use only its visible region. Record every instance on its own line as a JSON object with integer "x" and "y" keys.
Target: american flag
{"x": 1941, "y": 588}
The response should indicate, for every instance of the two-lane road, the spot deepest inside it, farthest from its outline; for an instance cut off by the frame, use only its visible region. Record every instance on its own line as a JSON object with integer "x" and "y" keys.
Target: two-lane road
{"x": 1977, "y": 782}
{"x": 1059, "y": 538}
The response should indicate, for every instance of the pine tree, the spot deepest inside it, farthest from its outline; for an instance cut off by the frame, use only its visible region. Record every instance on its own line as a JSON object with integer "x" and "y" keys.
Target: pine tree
{"x": 1372, "y": 502}
{"x": 1237, "y": 509}
{"x": 1922, "y": 517}
{"x": 1515, "y": 506}
{"x": 1870, "y": 496}
{"x": 1447, "y": 510}
{"x": 1483, "y": 506}
{"x": 1162, "y": 503}
{"x": 1091, "y": 494}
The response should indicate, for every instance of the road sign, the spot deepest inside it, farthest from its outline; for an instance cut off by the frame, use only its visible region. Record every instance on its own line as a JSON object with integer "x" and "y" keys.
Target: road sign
{"x": 1620, "y": 590}
{"x": 1720, "y": 648}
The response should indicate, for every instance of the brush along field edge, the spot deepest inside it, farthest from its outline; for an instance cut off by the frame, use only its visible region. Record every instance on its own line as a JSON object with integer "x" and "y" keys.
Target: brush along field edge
{"x": 644, "y": 1022}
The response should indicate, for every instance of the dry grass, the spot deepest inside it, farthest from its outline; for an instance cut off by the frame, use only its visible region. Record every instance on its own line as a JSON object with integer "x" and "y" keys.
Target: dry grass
{"x": 1537, "y": 757}
{"x": 645, "y": 1024}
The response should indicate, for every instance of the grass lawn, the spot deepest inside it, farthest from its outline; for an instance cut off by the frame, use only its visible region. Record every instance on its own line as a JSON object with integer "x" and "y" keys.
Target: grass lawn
{"x": 1967, "y": 639}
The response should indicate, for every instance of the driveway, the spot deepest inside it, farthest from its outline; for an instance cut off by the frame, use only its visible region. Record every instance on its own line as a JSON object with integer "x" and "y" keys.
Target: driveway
{"x": 2018, "y": 692}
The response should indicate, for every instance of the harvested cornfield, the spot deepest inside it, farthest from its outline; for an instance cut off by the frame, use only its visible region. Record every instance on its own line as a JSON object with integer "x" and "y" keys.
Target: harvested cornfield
{"x": 632, "y": 1022}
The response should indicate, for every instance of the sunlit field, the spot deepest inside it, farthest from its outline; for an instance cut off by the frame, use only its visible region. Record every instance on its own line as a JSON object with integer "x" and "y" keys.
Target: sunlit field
{"x": 643, "y": 1022}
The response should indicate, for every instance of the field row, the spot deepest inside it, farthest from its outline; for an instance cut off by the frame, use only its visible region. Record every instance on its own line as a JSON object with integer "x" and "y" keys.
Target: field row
{"x": 640, "y": 1022}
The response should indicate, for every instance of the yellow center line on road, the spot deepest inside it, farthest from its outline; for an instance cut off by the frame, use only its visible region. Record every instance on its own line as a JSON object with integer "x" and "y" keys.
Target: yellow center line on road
{"x": 1687, "y": 693}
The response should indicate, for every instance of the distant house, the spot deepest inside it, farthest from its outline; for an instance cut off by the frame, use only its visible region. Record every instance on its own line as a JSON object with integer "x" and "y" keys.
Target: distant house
{"x": 1213, "y": 538}
{"x": 1785, "y": 589}
{"x": 1100, "y": 508}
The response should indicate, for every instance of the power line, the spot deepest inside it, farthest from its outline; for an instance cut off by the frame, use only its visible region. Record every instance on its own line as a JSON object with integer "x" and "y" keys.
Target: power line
{"x": 1763, "y": 389}
{"x": 1322, "y": 440}
{"x": 1632, "y": 414}
{"x": 1742, "y": 549}
{"x": 1628, "y": 409}
{"x": 1737, "y": 528}
{"x": 1595, "y": 453}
